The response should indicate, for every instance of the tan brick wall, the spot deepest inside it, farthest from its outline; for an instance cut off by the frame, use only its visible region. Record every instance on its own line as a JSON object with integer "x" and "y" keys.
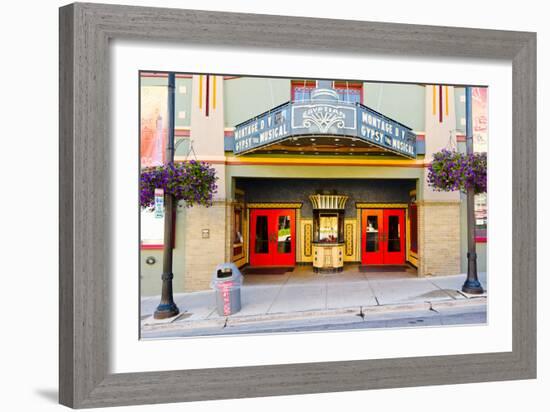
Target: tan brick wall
{"x": 202, "y": 255}
{"x": 439, "y": 238}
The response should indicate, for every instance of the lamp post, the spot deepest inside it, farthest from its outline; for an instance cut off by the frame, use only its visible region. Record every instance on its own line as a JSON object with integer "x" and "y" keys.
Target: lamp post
{"x": 472, "y": 284}
{"x": 167, "y": 308}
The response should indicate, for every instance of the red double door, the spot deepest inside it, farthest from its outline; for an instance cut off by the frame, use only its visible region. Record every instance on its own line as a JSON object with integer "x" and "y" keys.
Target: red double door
{"x": 272, "y": 237}
{"x": 383, "y": 237}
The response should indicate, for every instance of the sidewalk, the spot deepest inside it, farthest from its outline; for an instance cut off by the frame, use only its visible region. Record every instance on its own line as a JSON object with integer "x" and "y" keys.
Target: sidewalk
{"x": 302, "y": 298}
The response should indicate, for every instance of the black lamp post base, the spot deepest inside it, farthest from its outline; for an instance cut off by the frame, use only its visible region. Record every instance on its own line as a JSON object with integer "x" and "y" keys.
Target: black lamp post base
{"x": 166, "y": 310}
{"x": 473, "y": 287}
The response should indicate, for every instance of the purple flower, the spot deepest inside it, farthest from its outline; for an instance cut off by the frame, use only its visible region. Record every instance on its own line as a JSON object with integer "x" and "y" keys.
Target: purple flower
{"x": 451, "y": 170}
{"x": 192, "y": 182}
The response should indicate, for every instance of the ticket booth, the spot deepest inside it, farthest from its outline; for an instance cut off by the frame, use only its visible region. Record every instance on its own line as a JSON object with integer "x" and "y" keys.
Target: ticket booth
{"x": 328, "y": 232}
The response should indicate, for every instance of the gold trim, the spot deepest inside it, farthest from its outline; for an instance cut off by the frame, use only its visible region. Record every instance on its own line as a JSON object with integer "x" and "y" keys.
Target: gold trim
{"x": 446, "y": 100}
{"x": 433, "y": 99}
{"x": 213, "y": 92}
{"x": 200, "y": 91}
{"x": 381, "y": 205}
{"x": 295, "y": 160}
{"x": 349, "y": 239}
{"x": 307, "y": 239}
{"x": 274, "y": 205}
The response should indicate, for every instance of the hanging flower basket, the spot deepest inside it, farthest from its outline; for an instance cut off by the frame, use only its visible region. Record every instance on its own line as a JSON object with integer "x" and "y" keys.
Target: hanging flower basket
{"x": 451, "y": 170}
{"x": 192, "y": 182}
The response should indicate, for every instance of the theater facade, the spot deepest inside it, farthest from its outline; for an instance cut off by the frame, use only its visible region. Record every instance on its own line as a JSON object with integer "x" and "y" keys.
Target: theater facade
{"x": 327, "y": 174}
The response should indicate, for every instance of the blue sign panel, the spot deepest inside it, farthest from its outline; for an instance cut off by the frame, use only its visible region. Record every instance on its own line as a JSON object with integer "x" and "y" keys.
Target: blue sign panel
{"x": 384, "y": 132}
{"x": 333, "y": 118}
{"x": 336, "y": 118}
{"x": 263, "y": 130}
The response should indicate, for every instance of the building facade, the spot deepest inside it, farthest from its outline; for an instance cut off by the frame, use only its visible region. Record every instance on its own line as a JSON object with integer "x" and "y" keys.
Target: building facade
{"x": 329, "y": 174}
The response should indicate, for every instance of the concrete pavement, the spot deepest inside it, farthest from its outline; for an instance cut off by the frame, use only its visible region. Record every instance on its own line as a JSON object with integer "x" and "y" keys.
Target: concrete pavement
{"x": 301, "y": 300}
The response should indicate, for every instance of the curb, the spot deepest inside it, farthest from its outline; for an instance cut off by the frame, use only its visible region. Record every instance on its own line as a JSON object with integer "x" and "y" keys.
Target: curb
{"x": 367, "y": 311}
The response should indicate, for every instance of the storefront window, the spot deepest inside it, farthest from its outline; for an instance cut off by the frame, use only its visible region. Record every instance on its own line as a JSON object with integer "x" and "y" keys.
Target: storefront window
{"x": 238, "y": 226}
{"x": 414, "y": 228}
{"x": 238, "y": 229}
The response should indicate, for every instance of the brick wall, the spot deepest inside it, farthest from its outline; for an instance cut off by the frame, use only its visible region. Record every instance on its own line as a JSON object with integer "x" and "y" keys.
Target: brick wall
{"x": 203, "y": 255}
{"x": 439, "y": 238}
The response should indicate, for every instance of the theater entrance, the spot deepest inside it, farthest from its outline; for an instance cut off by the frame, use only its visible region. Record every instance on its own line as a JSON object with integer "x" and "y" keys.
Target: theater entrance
{"x": 383, "y": 237}
{"x": 272, "y": 237}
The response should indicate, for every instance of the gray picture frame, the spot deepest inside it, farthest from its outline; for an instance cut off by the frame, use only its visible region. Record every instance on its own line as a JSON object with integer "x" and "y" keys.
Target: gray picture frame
{"x": 85, "y": 32}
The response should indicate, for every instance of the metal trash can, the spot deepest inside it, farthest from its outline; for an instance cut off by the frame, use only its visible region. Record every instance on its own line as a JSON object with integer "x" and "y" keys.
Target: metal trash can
{"x": 226, "y": 282}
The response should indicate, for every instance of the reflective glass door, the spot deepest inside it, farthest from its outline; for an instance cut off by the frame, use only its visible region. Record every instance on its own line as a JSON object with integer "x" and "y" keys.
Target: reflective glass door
{"x": 394, "y": 228}
{"x": 372, "y": 237}
{"x": 284, "y": 250}
{"x": 383, "y": 236}
{"x": 272, "y": 237}
{"x": 259, "y": 237}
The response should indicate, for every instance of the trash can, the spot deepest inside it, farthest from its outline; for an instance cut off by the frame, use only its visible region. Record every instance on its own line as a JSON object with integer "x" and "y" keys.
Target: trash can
{"x": 226, "y": 282}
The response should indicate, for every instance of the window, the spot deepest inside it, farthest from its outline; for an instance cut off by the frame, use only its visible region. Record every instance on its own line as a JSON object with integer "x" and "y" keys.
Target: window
{"x": 351, "y": 92}
{"x": 238, "y": 226}
{"x": 301, "y": 89}
{"x": 347, "y": 91}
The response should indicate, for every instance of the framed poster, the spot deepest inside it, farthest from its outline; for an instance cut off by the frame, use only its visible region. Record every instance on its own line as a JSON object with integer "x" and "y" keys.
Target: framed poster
{"x": 92, "y": 338}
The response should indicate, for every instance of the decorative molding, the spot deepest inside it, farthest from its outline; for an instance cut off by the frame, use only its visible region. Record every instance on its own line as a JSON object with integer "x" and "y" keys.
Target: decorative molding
{"x": 349, "y": 239}
{"x": 307, "y": 239}
{"x": 324, "y": 120}
{"x": 336, "y": 202}
{"x": 437, "y": 202}
{"x": 274, "y": 205}
{"x": 359, "y": 205}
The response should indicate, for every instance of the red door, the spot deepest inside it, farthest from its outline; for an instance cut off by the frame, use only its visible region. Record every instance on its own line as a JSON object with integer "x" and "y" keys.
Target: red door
{"x": 272, "y": 237}
{"x": 383, "y": 237}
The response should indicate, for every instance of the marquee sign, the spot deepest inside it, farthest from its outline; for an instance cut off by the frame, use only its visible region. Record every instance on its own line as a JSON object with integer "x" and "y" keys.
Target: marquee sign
{"x": 262, "y": 130}
{"x": 384, "y": 132}
{"x": 314, "y": 118}
{"x": 323, "y": 118}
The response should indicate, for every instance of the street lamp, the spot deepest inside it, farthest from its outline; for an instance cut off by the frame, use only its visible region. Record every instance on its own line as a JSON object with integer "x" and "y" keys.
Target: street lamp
{"x": 167, "y": 308}
{"x": 472, "y": 284}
